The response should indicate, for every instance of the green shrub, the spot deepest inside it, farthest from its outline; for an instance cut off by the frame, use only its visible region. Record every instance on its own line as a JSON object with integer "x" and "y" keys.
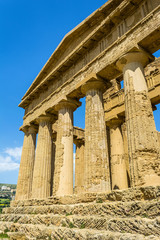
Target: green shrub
{"x": 4, "y": 235}
{"x": 6, "y": 230}
{"x": 71, "y": 225}
{"x": 99, "y": 200}
{"x": 68, "y": 214}
{"x": 82, "y": 225}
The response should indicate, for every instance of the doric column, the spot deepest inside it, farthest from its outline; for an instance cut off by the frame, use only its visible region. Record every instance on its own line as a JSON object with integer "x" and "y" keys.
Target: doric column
{"x": 118, "y": 165}
{"x": 41, "y": 187}
{"x": 79, "y": 167}
{"x": 24, "y": 185}
{"x": 54, "y": 139}
{"x": 141, "y": 130}
{"x": 159, "y": 138}
{"x": 97, "y": 176}
{"x": 126, "y": 157}
{"x": 63, "y": 174}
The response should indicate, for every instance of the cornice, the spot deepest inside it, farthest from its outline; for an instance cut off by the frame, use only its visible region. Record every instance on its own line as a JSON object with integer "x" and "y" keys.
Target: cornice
{"x": 98, "y": 18}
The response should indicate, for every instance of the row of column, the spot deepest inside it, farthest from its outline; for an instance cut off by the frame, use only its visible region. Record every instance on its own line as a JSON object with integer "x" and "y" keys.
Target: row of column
{"x": 141, "y": 134}
{"x": 143, "y": 144}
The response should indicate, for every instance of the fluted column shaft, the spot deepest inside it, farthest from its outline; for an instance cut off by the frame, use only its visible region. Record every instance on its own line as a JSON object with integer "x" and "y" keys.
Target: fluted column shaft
{"x": 24, "y": 185}
{"x": 126, "y": 156}
{"x": 54, "y": 137}
{"x": 118, "y": 165}
{"x": 41, "y": 187}
{"x": 79, "y": 167}
{"x": 63, "y": 175}
{"x": 97, "y": 176}
{"x": 141, "y": 130}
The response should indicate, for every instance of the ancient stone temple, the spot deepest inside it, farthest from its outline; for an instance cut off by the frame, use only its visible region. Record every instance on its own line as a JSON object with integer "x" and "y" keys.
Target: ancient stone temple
{"x": 117, "y": 163}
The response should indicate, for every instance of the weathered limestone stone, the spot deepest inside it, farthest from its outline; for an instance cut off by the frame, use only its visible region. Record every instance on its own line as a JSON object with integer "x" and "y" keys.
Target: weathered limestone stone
{"x": 41, "y": 187}
{"x": 97, "y": 176}
{"x": 142, "y": 136}
{"x": 55, "y": 202}
{"x": 17, "y": 236}
{"x": 117, "y": 28}
{"x": 54, "y": 139}
{"x": 79, "y": 166}
{"x": 125, "y": 146}
{"x": 159, "y": 138}
{"x": 24, "y": 185}
{"x": 121, "y": 214}
{"x": 118, "y": 165}
{"x": 63, "y": 175}
{"x": 114, "y": 97}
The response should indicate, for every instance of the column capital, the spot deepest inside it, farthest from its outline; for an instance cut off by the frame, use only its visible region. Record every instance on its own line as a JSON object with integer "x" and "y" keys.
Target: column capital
{"x": 29, "y": 128}
{"x": 130, "y": 57}
{"x": 115, "y": 122}
{"x": 78, "y": 141}
{"x": 68, "y": 103}
{"x": 46, "y": 118}
{"x": 24, "y": 129}
{"x": 32, "y": 129}
{"x": 94, "y": 82}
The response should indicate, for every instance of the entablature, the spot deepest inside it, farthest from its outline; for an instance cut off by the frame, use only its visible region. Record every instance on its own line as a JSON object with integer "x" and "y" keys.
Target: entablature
{"x": 102, "y": 35}
{"x": 114, "y": 99}
{"x": 101, "y": 60}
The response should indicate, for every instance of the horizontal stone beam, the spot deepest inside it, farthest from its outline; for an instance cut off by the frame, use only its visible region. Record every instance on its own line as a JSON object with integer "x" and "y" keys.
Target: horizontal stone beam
{"x": 103, "y": 64}
{"x": 114, "y": 100}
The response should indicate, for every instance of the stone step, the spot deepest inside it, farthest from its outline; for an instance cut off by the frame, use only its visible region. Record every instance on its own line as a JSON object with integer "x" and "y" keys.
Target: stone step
{"x": 36, "y": 232}
{"x": 130, "y": 225}
{"x": 131, "y": 194}
{"x": 149, "y": 209}
{"x": 16, "y": 236}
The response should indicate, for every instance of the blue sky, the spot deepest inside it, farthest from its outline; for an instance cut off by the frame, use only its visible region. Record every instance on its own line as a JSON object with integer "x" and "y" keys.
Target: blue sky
{"x": 30, "y": 31}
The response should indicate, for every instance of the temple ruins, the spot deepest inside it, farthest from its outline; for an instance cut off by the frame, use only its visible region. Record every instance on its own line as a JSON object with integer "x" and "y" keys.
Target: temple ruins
{"x": 119, "y": 149}
{"x": 90, "y": 62}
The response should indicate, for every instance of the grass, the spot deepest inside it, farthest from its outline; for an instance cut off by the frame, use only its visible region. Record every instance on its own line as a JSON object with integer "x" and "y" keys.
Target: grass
{"x": 71, "y": 225}
{"x": 4, "y": 200}
{"x": 15, "y": 221}
{"x": 4, "y": 235}
{"x": 4, "y": 203}
{"x": 99, "y": 200}
{"x": 68, "y": 214}
{"x": 82, "y": 226}
{"x": 49, "y": 238}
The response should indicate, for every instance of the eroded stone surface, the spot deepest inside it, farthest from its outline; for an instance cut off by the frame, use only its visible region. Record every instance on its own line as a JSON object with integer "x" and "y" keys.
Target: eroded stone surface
{"x": 41, "y": 186}
{"x": 79, "y": 67}
{"x": 63, "y": 174}
{"x": 97, "y": 175}
{"x": 121, "y": 214}
{"x": 143, "y": 145}
{"x": 42, "y": 232}
{"x": 24, "y": 185}
{"x": 131, "y": 194}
